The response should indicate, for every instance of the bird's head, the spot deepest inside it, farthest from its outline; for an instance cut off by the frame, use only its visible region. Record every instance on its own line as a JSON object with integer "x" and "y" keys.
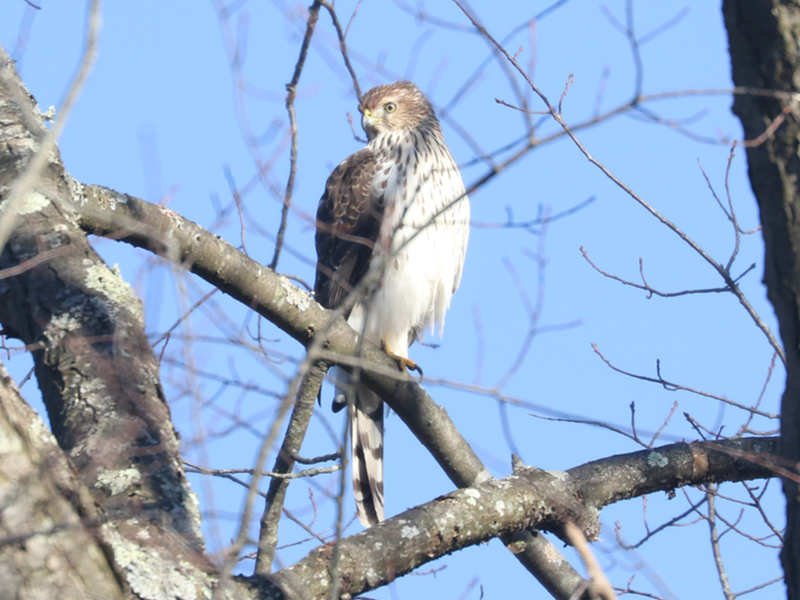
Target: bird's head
{"x": 395, "y": 107}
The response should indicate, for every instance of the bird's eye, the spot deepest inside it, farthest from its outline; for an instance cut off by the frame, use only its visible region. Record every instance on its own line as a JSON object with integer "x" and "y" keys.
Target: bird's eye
{"x": 390, "y": 107}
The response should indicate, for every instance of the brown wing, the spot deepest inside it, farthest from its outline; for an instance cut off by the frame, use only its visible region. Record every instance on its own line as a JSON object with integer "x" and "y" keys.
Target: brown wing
{"x": 348, "y": 220}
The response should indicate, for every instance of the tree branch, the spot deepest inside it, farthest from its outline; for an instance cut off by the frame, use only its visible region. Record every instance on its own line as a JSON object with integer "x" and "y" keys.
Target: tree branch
{"x": 529, "y": 499}
{"x": 284, "y": 463}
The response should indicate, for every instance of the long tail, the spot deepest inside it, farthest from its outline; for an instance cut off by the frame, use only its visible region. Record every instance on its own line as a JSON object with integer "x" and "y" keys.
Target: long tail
{"x": 366, "y": 421}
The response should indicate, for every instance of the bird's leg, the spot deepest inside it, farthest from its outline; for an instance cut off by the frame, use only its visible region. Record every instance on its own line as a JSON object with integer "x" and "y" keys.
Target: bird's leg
{"x": 405, "y": 364}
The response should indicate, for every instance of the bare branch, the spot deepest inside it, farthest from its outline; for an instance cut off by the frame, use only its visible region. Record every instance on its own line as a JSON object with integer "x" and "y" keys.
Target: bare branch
{"x": 668, "y": 385}
{"x": 291, "y": 92}
{"x": 599, "y": 586}
{"x": 284, "y": 463}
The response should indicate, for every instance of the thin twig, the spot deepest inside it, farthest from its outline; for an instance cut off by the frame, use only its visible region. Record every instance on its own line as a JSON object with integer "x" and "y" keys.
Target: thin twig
{"x": 712, "y": 526}
{"x": 342, "y": 35}
{"x": 651, "y": 290}
{"x": 291, "y": 92}
{"x": 232, "y": 553}
{"x": 184, "y": 316}
{"x": 192, "y": 468}
{"x": 638, "y": 199}
{"x": 599, "y": 585}
{"x": 673, "y": 522}
{"x": 668, "y": 385}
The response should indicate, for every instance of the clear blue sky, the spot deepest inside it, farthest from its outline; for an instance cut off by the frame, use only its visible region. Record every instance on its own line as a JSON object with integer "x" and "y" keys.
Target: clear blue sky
{"x": 163, "y": 117}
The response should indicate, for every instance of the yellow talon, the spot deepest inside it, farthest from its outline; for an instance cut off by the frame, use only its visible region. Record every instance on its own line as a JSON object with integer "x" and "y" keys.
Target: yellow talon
{"x": 405, "y": 364}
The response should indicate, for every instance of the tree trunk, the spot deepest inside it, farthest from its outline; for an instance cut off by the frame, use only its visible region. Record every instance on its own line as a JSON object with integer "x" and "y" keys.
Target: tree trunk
{"x": 763, "y": 37}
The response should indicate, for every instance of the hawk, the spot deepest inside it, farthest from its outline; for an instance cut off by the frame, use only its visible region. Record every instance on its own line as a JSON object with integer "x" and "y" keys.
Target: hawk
{"x": 398, "y": 211}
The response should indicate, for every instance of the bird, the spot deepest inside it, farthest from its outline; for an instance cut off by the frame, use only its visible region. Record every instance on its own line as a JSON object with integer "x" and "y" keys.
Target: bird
{"x": 392, "y": 228}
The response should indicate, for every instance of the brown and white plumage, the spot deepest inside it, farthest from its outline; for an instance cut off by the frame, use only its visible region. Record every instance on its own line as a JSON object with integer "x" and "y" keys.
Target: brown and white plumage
{"x": 397, "y": 208}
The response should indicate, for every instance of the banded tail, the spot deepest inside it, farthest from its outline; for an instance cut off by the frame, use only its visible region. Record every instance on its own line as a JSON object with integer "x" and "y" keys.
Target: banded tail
{"x": 366, "y": 441}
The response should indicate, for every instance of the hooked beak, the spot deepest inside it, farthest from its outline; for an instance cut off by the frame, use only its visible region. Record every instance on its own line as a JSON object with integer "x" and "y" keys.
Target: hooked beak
{"x": 367, "y": 121}
{"x": 366, "y": 117}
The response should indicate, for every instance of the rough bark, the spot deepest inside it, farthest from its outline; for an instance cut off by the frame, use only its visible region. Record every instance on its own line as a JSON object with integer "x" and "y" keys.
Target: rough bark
{"x": 65, "y": 523}
{"x": 763, "y": 38}
{"x": 46, "y": 514}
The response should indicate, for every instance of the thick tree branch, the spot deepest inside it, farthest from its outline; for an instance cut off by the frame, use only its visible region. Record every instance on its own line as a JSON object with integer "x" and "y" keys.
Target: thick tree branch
{"x": 528, "y": 499}
{"x": 23, "y": 184}
{"x": 608, "y": 480}
{"x": 55, "y": 542}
